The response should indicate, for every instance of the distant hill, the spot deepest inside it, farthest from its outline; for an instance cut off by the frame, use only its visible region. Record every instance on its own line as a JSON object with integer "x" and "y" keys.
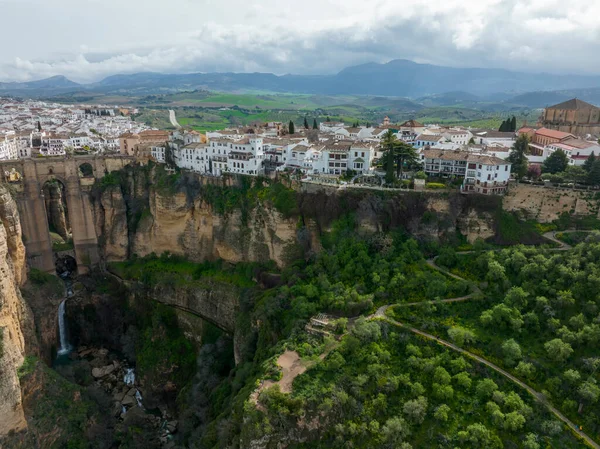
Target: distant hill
{"x": 49, "y": 86}
{"x": 437, "y": 85}
{"x": 542, "y": 99}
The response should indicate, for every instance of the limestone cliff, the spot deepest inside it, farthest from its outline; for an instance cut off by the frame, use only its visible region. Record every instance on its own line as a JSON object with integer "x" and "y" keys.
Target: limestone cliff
{"x": 15, "y": 316}
{"x": 138, "y": 216}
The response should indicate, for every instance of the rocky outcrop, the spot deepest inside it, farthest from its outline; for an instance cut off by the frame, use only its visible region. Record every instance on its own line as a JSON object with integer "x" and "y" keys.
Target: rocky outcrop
{"x": 55, "y": 209}
{"x": 15, "y": 317}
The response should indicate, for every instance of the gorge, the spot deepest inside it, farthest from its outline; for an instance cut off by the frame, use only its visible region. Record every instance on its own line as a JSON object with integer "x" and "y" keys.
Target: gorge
{"x": 187, "y": 300}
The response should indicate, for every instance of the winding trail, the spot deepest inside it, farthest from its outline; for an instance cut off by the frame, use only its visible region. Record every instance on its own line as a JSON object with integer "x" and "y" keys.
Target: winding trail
{"x": 537, "y": 395}
{"x": 381, "y": 314}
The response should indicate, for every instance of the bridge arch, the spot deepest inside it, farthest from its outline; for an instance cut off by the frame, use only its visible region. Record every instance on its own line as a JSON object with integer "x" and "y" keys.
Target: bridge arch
{"x": 34, "y": 174}
{"x": 86, "y": 170}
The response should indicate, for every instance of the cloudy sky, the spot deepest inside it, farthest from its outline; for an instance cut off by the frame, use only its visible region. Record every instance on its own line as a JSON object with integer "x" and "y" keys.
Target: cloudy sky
{"x": 87, "y": 40}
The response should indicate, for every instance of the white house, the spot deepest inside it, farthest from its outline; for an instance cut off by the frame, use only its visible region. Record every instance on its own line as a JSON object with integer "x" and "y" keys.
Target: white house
{"x": 578, "y": 150}
{"x": 427, "y": 140}
{"x": 460, "y": 137}
{"x": 158, "y": 153}
{"x": 193, "y": 157}
{"x": 9, "y": 146}
{"x": 330, "y": 126}
{"x": 483, "y": 174}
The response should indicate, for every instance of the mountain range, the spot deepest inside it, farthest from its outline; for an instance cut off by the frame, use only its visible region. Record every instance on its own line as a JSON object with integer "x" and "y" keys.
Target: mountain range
{"x": 398, "y": 78}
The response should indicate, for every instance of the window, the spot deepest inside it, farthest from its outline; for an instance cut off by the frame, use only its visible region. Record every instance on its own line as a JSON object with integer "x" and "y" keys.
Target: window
{"x": 506, "y": 168}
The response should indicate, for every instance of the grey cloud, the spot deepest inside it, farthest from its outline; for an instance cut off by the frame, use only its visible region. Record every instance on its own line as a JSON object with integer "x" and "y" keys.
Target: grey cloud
{"x": 527, "y": 35}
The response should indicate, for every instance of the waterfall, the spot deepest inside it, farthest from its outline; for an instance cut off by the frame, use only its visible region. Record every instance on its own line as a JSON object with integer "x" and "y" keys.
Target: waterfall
{"x": 65, "y": 348}
{"x": 129, "y": 377}
{"x": 138, "y": 398}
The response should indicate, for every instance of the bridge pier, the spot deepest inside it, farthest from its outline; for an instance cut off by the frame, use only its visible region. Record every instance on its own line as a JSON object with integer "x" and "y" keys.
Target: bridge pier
{"x": 83, "y": 230}
{"x": 34, "y": 222}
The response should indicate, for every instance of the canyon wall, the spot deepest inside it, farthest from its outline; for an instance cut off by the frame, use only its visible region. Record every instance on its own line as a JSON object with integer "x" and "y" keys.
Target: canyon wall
{"x": 16, "y": 323}
{"x": 137, "y": 217}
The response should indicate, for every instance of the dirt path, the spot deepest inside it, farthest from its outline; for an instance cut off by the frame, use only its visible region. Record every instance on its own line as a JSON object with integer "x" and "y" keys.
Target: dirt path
{"x": 537, "y": 395}
{"x": 381, "y": 314}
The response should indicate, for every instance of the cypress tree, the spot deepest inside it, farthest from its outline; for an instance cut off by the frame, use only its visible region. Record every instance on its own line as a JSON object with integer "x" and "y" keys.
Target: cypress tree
{"x": 589, "y": 163}
{"x": 291, "y": 127}
{"x": 513, "y": 124}
{"x": 327, "y": 119}
{"x": 305, "y": 123}
{"x": 594, "y": 175}
{"x": 315, "y": 124}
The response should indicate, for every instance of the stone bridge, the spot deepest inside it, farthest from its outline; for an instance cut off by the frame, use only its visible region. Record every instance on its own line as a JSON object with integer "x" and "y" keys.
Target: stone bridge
{"x": 29, "y": 182}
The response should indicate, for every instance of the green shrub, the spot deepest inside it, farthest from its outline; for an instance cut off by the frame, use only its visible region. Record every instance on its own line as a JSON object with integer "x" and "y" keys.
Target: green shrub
{"x": 435, "y": 185}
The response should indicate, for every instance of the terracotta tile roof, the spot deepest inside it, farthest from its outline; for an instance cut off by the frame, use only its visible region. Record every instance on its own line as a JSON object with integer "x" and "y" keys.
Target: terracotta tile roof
{"x": 412, "y": 124}
{"x": 429, "y": 138}
{"x": 451, "y": 155}
{"x": 573, "y": 104}
{"x": 552, "y": 133}
{"x": 578, "y": 143}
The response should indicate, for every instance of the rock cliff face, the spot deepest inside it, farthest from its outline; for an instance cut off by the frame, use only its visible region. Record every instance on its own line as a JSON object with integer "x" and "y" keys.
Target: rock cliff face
{"x": 15, "y": 317}
{"x": 55, "y": 209}
{"x": 136, "y": 217}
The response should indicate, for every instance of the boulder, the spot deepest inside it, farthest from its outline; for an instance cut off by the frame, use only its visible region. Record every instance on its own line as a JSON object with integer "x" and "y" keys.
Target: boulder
{"x": 172, "y": 426}
{"x": 128, "y": 401}
{"x": 104, "y": 371}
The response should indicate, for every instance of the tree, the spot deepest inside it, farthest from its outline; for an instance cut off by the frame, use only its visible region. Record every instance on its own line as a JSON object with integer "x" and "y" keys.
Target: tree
{"x": 485, "y": 388}
{"x": 589, "y": 392}
{"x": 512, "y": 351}
{"x": 291, "y": 129}
{"x": 575, "y": 174}
{"x": 513, "y": 124}
{"x": 514, "y": 421}
{"x": 388, "y": 143}
{"x": 531, "y": 441}
{"x": 526, "y": 370}
{"x": 441, "y": 413}
{"x": 518, "y": 158}
{"x": 534, "y": 171}
{"x": 463, "y": 380}
{"x": 557, "y": 162}
{"x": 395, "y": 430}
{"x": 305, "y": 123}
{"x": 315, "y": 126}
{"x": 404, "y": 155}
{"x": 327, "y": 119}
{"x": 589, "y": 162}
{"x": 558, "y": 350}
{"x": 416, "y": 409}
{"x": 366, "y": 331}
{"x": 594, "y": 174}
{"x": 461, "y": 336}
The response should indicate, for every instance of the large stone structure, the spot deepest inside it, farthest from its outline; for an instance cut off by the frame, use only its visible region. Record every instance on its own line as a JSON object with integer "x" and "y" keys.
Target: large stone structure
{"x": 30, "y": 198}
{"x": 574, "y": 116}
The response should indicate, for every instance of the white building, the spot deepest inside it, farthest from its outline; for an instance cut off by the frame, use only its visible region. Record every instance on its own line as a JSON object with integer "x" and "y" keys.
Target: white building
{"x": 483, "y": 174}
{"x": 158, "y": 153}
{"x": 578, "y": 150}
{"x": 9, "y": 146}
{"x": 459, "y": 137}
{"x": 427, "y": 140}
{"x": 330, "y": 127}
